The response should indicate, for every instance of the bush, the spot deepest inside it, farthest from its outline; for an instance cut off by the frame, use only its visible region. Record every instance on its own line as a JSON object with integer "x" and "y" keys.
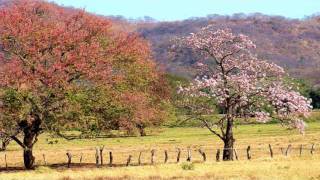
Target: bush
{"x": 187, "y": 166}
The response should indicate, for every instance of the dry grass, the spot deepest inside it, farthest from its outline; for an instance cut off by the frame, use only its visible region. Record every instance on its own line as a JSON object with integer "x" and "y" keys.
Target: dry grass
{"x": 257, "y": 136}
{"x": 279, "y": 168}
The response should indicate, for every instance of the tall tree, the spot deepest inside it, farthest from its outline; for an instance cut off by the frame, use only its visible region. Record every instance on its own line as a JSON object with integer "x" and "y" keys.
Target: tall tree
{"x": 241, "y": 84}
{"x": 48, "y": 51}
{"x": 45, "y": 51}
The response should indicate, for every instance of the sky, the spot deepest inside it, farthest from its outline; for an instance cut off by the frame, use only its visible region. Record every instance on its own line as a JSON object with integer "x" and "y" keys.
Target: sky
{"x": 170, "y": 10}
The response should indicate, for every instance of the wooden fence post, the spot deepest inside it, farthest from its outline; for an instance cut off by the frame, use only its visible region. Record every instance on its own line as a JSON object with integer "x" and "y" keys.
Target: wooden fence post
{"x": 218, "y": 155}
{"x": 203, "y": 154}
{"x": 189, "y": 154}
{"x": 301, "y": 150}
{"x": 101, "y": 155}
{"x": 139, "y": 158}
{"x": 110, "y": 158}
{"x": 271, "y": 152}
{"x": 288, "y": 149}
{"x": 312, "y": 149}
{"x": 69, "y": 158}
{"x": 165, "y": 156}
{"x": 44, "y": 159}
{"x": 97, "y": 156}
{"x": 235, "y": 153}
{"x": 5, "y": 159}
{"x": 80, "y": 160}
{"x": 129, "y": 160}
{"x": 152, "y": 156}
{"x": 248, "y": 153}
{"x": 178, "y": 155}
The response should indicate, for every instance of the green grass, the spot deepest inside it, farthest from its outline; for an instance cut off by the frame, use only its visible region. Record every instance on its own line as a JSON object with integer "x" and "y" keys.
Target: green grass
{"x": 183, "y": 136}
{"x": 186, "y": 136}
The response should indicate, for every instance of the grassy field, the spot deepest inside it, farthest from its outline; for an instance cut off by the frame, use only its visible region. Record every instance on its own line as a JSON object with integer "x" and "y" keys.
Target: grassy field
{"x": 257, "y": 136}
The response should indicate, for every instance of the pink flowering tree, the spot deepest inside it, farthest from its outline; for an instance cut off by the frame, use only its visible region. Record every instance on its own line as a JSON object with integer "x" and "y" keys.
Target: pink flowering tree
{"x": 240, "y": 84}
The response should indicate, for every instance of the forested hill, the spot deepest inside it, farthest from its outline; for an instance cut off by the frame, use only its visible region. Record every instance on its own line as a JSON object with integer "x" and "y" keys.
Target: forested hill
{"x": 293, "y": 44}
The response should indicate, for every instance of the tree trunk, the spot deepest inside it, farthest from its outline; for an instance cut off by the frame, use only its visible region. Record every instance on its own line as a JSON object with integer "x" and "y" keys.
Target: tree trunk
{"x": 31, "y": 129}
{"x": 228, "y": 141}
{"x": 28, "y": 157}
{"x": 142, "y": 132}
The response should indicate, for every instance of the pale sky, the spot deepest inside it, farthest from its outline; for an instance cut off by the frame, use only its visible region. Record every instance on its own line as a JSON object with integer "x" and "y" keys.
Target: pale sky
{"x": 182, "y": 9}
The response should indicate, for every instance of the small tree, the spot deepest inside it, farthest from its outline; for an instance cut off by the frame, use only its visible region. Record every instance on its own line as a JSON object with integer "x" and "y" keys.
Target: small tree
{"x": 240, "y": 84}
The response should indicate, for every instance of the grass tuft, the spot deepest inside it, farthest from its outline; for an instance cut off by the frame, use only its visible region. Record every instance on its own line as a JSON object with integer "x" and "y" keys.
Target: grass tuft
{"x": 187, "y": 166}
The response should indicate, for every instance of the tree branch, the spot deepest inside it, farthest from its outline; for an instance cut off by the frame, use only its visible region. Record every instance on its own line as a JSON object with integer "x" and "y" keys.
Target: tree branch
{"x": 64, "y": 136}
{"x": 210, "y": 129}
{"x": 13, "y": 137}
{"x": 18, "y": 141}
{"x": 229, "y": 54}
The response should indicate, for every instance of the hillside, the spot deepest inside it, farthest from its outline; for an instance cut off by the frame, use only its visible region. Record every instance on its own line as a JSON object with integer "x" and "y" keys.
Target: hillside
{"x": 293, "y": 44}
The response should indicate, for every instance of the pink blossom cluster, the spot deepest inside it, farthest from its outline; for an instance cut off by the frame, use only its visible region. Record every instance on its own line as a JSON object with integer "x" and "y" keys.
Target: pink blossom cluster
{"x": 288, "y": 102}
{"x": 262, "y": 117}
{"x": 298, "y": 124}
{"x": 223, "y": 41}
{"x": 212, "y": 85}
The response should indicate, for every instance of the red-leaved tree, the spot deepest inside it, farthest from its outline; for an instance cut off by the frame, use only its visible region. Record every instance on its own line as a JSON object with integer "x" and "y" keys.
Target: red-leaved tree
{"x": 47, "y": 51}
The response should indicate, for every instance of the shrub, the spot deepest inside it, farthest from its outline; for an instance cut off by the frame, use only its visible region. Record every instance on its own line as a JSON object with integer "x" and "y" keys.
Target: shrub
{"x": 187, "y": 166}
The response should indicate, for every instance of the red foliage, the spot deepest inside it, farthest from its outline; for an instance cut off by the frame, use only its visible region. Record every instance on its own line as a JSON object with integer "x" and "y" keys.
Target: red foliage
{"x": 42, "y": 44}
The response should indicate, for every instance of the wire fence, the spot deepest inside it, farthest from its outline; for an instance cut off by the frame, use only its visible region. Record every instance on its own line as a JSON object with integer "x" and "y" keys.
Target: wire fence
{"x": 102, "y": 156}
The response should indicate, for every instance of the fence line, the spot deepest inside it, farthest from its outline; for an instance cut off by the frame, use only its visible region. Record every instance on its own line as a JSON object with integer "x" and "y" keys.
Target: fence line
{"x": 159, "y": 156}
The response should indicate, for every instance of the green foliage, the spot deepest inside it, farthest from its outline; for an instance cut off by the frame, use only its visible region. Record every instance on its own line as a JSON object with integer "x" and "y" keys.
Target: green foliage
{"x": 314, "y": 94}
{"x": 176, "y": 81}
{"x": 188, "y": 107}
{"x": 171, "y": 114}
{"x": 12, "y": 99}
{"x": 93, "y": 109}
{"x": 301, "y": 85}
{"x": 306, "y": 89}
{"x": 14, "y": 107}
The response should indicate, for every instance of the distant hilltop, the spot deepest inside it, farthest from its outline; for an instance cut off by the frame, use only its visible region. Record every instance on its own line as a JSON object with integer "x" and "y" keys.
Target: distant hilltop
{"x": 291, "y": 43}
